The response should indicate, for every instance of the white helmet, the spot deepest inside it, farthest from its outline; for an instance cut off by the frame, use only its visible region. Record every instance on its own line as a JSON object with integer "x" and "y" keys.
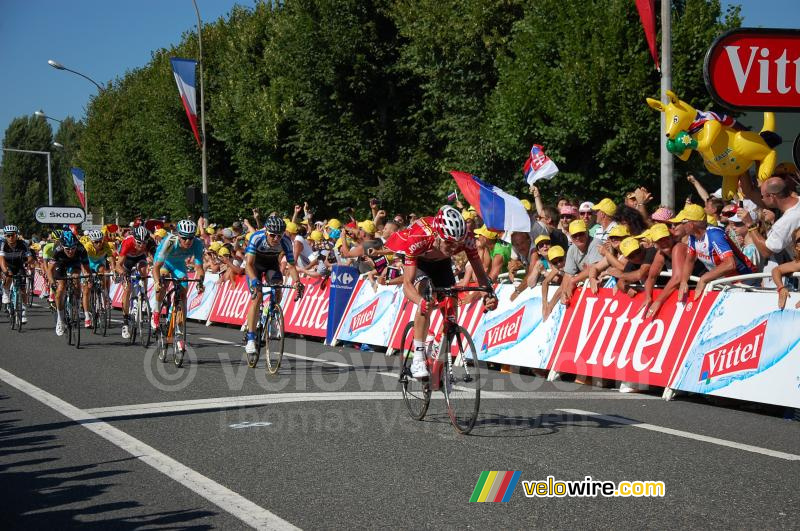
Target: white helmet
{"x": 10, "y": 229}
{"x": 186, "y": 228}
{"x": 140, "y": 234}
{"x": 95, "y": 235}
{"x": 450, "y": 224}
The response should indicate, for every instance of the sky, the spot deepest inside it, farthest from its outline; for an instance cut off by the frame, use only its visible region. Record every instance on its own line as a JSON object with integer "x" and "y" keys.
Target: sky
{"x": 105, "y": 38}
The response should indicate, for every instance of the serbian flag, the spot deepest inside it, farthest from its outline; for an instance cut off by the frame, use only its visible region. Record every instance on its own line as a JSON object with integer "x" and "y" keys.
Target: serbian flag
{"x": 538, "y": 166}
{"x": 79, "y": 180}
{"x": 184, "y": 77}
{"x": 500, "y": 211}
{"x": 647, "y": 14}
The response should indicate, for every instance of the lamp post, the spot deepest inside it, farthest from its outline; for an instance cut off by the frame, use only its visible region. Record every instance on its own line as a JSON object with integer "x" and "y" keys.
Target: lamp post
{"x": 59, "y": 66}
{"x": 40, "y": 113}
{"x": 202, "y": 112}
{"x": 49, "y": 173}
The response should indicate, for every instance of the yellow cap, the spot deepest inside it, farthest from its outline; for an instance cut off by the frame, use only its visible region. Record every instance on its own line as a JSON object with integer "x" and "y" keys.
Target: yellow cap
{"x": 161, "y": 233}
{"x": 629, "y": 245}
{"x": 210, "y": 231}
{"x": 224, "y": 251}
{"x": 367, "y": 226}
{"x": 526, "y": 204}
{"x": 467, "y": 214}
{"x": 690, "y": 213}
{"x": 540, "y": 239}
{"x": 35, "y": 246}
{"x": 248, "y": 236}
{"x": 316, "y": 236}
{"x": 291, "y": 228}
{"x": 334, "y": 223}
{"x": 577, "y": 226}
{"x": 215, "y": 246}
{"x": 484, "y": 231}
{"x": 619, "y": 231}
{"x": 556, "y": 251}
{"x": 607, "y": 206}
{"x": 655, "y": 232}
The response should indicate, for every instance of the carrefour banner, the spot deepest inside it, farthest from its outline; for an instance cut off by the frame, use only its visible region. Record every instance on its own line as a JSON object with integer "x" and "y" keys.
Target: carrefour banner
{"x": 515, "y": 333}
{"x": 371, "y": 314}
{"x": 343, "y": 281}
{"x": 746, "y": 349}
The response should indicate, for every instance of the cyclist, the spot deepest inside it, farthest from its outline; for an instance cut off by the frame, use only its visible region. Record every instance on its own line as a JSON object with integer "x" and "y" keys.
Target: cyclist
{"x": 263, "y": 257}
{"x": 14, "y": 256}
{"x": 429, "y": 245}
{"x": 69, "y": 258}
{"x": 133, "y": 254}
{"x": 171, "y": 256}
{"x": 48, "y": 252}
{"x": 100, "y": 252}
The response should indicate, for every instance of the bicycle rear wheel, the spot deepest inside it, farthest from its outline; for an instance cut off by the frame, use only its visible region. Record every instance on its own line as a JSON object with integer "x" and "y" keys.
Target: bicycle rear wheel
{"x": 161, "y": 331}
{"x": 261, "y": 340}
{"x": 18, "y": 305}
{"x": 462, "y": 379}
{"x": 68, "y": 317}
{"x": 416, "y": 393}
{"x": 94, "y": 309}
{"x": 273, "y": 334}
{"x": 76, "y": 321}
{"x": 179, "y": 335}
{"x": 145, "y": 330}
{"x": 105, "y": 311}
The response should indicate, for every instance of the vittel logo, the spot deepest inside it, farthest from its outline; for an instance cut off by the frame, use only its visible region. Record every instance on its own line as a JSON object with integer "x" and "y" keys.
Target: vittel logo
{"x": 741, "y": 354}
{"x": 364, "y": 318}
{"x": 505, "y": 332}
{"x": 195, "y": 302}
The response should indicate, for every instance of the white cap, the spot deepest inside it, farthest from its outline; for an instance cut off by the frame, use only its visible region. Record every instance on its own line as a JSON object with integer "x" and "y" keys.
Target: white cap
{"x": 586, "y": 206}
{"x": 735, "y": 218}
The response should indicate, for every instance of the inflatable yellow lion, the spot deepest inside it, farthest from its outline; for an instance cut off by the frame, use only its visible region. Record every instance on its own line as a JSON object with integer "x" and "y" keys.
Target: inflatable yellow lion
{"x": 727, "y": 148}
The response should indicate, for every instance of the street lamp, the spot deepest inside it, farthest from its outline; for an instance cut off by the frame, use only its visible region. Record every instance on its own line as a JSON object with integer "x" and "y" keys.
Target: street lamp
{"x": 59, "y": 66}
{"x": 40, "y": 113}
{"x": 49, "y": 173}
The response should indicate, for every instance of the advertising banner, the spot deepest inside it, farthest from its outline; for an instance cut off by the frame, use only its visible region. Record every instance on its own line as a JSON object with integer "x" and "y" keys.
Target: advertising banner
{"x": 39, "y": 283}
{"x": 371, "y": 314}
{"x": 309, "y": 315}
{"x": 230, "y": 302}
{"x": 343, "y": 281}
{"x": 605, "y": 336}
{"x": 199, "y": 304}
{"x": 746, "y": 349}
{"x": 515, "y": 333}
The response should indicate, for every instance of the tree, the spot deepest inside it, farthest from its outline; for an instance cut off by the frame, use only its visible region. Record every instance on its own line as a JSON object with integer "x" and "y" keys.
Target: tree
{"x": 68, "y": 135}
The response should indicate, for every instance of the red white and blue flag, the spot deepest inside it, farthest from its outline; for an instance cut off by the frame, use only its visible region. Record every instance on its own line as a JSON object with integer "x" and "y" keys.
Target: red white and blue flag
{"x": 538, "y": 166}
{"x": 184, "y": 70}
{"x": 79, "y": 181}
{"x": 499, "y": 210}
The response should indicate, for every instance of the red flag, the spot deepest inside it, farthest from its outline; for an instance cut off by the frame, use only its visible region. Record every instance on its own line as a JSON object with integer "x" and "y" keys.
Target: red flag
{"x": 647, "y": 14}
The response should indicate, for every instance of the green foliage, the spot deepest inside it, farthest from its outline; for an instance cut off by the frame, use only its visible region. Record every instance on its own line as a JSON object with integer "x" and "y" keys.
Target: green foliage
{"x": 337, "y": 101}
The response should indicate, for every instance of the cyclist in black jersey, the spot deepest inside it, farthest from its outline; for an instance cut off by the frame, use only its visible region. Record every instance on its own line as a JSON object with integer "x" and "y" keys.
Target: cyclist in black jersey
{"x": 69, "y": 259}
{"x": 14, "y": 256}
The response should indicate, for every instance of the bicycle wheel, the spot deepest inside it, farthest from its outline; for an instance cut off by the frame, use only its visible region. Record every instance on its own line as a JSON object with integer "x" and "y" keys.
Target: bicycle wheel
{"x": 161, "y": 331}
{"x": 76, "y": 321}
{"x": 94, "y": 309}
{"x": 68, "y": 316}
{"x": 462, "y": 379}
{"x": 18, "y": 305}
{"x": 261, "y": 340}
{"x": 145, "y": 331}
{"x": 273, "y": 334}
{"x": 416, "y": 394}
{"x": 105, "y": 311}
{"x": 179, "y": 335}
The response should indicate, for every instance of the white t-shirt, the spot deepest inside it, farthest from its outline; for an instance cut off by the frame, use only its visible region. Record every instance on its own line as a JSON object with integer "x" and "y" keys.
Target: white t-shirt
{"x": 779, "y": 237}
{"x": 304, "y": 258}
{"x": 602, "y": 234}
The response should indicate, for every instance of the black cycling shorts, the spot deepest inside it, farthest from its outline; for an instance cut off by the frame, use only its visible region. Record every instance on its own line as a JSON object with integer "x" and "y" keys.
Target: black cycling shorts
{"x": 440, "y": 272}
{"x": 132, "y": 262}
{"x": 65, "y": 269}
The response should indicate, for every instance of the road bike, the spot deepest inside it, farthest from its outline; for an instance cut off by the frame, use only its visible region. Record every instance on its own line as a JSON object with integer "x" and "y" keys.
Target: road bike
{"x": 452, "y": 362}
{"x": 100, "y": 304}
{"x": 269, "y": 328}
{"x": 139, "y": 310}
{"x": 72, "y": 309}
{"x": 171, "y": 330}
{"x": 14, "y": 306}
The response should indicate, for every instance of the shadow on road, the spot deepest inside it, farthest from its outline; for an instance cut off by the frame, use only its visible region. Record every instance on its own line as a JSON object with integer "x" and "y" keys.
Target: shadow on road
{"x": 36, "y": 493}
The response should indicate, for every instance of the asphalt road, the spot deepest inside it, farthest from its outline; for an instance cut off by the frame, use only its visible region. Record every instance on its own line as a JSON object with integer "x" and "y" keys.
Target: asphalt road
{"x": 107, "y": 436}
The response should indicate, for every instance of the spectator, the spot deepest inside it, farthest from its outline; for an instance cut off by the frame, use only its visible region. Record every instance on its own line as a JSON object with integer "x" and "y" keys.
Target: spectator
{"x": 539, "y": 266}
{"x": 606, "y": 210}
{"x": 638, "y": 200}
{"x": 708, "y": 244}
{"x": 389, "y": 228}
{"x": 609, "y": 252}
{"x": 584, "y": 253}
{"x": 632, "y": 219}
{"x": 743, "y": 238}
{"x": 636, "y": 267}
{"x": 567, "y": 214}
{"x": 787, "y": 268}
{"x": 229, "y": 266}
{"x": 556, "y": 275}
{"x": 779, "y": 245}
{"x": 662, "y": 215}
{"x": 586, "y": 213}
{"x": 546, "y": 224}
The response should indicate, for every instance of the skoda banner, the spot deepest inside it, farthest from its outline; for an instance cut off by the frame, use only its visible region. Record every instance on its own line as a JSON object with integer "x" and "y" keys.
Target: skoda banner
{"x": 343, "y": 282}
{"x": 60, "y": 215}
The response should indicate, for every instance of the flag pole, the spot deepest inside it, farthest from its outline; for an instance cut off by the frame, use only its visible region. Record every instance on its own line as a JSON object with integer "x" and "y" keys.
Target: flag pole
{"x": 667, "y": 160}
{"x": 202, "y": 112}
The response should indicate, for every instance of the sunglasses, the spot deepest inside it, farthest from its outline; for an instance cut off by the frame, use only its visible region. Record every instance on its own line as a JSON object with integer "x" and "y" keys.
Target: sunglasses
{"x": 567, "y": 217}
{"x": 586, "y": 214}
{"x": 543, "y": 244}
{"x": 271, "y": 235}
{"x": 728, "y": 214}
{"x": 186, "y": 238}
{"x": 11, "y": 235}
{"x": 558, "y": 262}
{"x": 738, "y": 224}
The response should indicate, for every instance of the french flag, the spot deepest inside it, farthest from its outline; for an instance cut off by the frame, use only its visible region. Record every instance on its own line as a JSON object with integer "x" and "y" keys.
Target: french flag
{"x": 79, "y": 181}
{"x": 500, "y": 211}
{"x": 184, "y": 70}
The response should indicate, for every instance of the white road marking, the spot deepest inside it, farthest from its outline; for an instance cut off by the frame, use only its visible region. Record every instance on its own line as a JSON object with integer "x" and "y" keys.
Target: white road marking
{"x": 221, "y": 496}
{"x": 686, "y": 434}
{"x": 220, "y": 341}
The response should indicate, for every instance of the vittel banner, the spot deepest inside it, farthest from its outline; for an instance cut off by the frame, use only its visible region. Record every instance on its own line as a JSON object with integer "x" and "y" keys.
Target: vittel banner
{"x": 371, "y": 314}
{"x": 309, "y": 315}
{"x": 231, "y": 302}
{"x": 606, "y": 336}
{"x": 746, "y": 349}
{"x": 755, "y": 69}
{"x": 515, "y": 333}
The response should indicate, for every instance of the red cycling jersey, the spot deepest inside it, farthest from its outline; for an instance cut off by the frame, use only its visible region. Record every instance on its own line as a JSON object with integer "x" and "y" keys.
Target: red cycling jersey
{"x": 128, "y": 247}
{"x": 418, "y": 239}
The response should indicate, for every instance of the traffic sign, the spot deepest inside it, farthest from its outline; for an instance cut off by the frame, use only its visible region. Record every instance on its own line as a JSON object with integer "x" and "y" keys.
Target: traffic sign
{"x": 59, "y": 215}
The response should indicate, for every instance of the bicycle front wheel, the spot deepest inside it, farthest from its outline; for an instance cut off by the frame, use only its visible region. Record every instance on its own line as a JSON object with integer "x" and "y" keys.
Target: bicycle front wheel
{"x": 145, "y": 330}
{"x": 18, "y": 304}
{"x": 76, "y": 321}
{"x": 94, "y": 310}
{"x": 273, "y": 335}
{"x": 416, "y": 393}
{"x": 161, "y": 331}
{"x": 179, "y": 335}
{"x": 462, "y": 379}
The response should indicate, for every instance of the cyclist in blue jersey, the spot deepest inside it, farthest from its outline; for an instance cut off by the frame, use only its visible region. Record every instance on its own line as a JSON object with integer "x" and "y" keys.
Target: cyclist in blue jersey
{"x": 263, "y": 257}
{"x": 712, "y": 247}
{"x": 171, "y": 256}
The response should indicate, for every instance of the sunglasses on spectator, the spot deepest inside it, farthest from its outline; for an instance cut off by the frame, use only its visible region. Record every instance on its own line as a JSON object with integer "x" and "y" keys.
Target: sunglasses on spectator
{"x": 728, "y": 213}
{"x": 586, "y": 214}
{"x": 738, "y": 223}
{"x": 567, "y": 216}
{"x": 558, "y": 262}
{"x": 543, "y": 244}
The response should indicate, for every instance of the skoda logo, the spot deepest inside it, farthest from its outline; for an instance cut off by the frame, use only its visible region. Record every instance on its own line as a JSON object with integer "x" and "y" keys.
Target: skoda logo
{"x": 41, "y": 214}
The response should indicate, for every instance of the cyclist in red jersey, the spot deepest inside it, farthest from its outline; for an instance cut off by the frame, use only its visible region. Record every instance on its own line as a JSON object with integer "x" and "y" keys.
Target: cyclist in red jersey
{"x": 429, "y": 245}
{"x": 133, "y": 254}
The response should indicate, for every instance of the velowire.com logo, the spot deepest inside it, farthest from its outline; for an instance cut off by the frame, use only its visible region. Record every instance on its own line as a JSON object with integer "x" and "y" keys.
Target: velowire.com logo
{"x": 495, "y": 486}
